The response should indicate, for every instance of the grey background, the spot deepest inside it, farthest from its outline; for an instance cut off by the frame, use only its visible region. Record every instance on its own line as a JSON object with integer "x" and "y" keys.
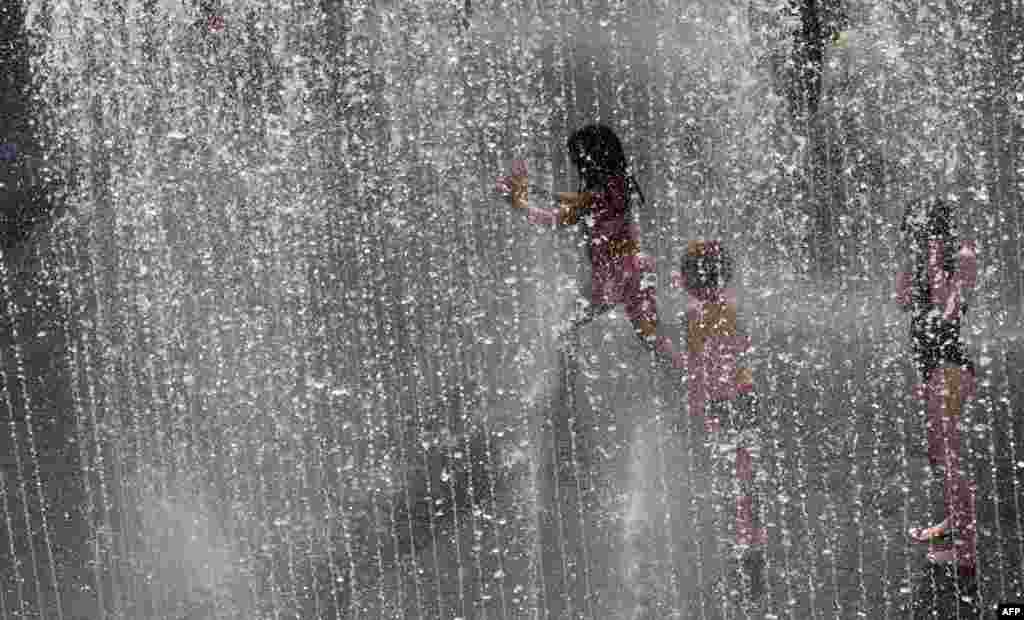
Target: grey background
{"x": 272, "y": 348}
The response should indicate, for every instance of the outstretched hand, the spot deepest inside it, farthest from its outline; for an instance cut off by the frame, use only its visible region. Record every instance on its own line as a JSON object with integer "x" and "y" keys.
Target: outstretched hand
{"x": 515, "y": 187}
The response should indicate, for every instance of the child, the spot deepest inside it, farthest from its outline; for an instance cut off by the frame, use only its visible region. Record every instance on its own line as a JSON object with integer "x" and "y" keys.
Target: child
{"x": 934, "y": 285}
{"x": 603, "y": 208}
{"x": 932, "y": 288}
{"x": 712, "y": 341}
{"x": 719, "y": 390}
{"x": 610, "y": 237}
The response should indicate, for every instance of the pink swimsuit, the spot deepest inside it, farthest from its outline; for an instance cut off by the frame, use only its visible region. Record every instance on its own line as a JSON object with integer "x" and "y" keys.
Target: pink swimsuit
{"x": 713, "y": 370}
{"x": 949, "y": 293}
{"x": 617, "y": 267}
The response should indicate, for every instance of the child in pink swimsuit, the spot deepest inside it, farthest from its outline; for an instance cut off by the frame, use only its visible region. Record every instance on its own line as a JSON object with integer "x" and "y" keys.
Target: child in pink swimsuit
{"x": 603, "y": 207}
{"x": 721, "y": 392}
{"x": 934, "y": 286}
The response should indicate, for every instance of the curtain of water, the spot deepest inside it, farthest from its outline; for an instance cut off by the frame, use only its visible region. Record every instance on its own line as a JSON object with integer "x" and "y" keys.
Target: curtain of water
{"x": 308, "y": 352}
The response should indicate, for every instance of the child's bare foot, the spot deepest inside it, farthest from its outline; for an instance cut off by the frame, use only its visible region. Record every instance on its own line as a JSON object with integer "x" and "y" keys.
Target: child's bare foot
{"x": 948, "y": 555}
{"x": 928, "y": 534}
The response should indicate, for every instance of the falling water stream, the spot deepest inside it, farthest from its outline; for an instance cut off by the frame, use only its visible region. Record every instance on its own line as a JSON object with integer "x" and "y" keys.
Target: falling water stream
{"x": 288, "y": 356}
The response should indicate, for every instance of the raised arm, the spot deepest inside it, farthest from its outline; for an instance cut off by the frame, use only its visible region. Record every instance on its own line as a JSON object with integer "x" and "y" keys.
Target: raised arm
{"x": 571, "y": 205}
{"x": 953, "y": 293}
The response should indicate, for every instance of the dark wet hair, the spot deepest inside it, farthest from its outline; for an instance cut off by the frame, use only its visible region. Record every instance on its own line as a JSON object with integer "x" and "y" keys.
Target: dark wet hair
{"x": 597, "y": 153}
{"x": 706, "y": 266}
{"x": 926, "y": 220}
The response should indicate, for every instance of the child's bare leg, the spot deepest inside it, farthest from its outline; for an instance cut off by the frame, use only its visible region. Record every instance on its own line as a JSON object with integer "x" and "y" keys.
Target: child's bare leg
{"x": 948, "y": 387}
{"x": 948, "y": 399}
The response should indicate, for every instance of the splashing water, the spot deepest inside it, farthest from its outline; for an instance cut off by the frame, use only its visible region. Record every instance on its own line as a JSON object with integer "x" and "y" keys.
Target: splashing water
{"x": 286, "y": 356}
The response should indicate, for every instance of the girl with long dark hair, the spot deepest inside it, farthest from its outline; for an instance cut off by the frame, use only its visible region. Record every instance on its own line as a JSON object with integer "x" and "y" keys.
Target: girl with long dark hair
{"x": 932, "y": 285}
{"x": 935, "y": 286}
{"x": 604, "y": 208}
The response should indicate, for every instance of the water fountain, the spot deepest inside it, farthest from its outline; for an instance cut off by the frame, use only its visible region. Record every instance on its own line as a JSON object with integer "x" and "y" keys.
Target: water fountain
{"x": 286, "y": 355}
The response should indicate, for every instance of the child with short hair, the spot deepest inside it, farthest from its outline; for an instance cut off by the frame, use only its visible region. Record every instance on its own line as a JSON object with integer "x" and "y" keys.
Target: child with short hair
{"x": 721, "y": 391}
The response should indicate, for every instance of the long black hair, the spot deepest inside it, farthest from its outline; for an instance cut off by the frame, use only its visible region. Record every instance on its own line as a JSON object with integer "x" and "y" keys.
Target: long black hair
{"x": 597, "y": 153}
{"x": 927, "y": 220}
